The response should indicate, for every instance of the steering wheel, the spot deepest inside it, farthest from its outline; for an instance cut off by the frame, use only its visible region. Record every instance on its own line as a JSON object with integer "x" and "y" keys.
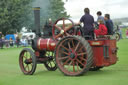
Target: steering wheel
{"x": 63, "y": 27}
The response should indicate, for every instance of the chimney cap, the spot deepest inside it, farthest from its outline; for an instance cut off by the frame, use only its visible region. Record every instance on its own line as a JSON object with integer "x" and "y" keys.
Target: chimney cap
{"x": 36, "y": 8}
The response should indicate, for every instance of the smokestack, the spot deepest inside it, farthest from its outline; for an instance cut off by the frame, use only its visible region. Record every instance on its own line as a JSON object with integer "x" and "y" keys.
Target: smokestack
{"x": 37, "y": 21}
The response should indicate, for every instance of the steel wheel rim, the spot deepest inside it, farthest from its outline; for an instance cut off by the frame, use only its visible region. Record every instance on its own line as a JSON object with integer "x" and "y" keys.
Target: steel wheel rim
{"x": 117, "y": 37}
{"x": 76, "y": 58}
{"x": 62, "y": 30}
{"x": 26, "y": 68}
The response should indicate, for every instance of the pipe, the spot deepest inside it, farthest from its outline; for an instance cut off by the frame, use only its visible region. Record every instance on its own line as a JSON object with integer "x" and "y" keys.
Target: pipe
{"x": 37, "y": 21}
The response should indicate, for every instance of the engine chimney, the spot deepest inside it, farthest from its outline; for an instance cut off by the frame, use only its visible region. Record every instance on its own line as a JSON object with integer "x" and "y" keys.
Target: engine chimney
{"x": 37, "y": 21}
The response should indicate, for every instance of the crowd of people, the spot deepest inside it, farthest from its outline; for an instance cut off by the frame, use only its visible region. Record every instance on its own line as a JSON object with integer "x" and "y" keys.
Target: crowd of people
{"x": 105, "y": 24}
{"x": 10, "y": 41}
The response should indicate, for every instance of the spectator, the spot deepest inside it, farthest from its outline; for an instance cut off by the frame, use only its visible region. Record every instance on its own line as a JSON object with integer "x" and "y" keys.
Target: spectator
{"x": 109, "y": 24}
{"x": 7, "y": 43}
{"x": 17, "y": 41}
{"x": 88, "y": 22}
{"x": 102, "y": 28}
{"x": 0, "y": 35}
{"x": 24, "y": 42}
{"x": 120, "y": 32}
{"x": 127, "y": 33}
{"x": 1, "y": 40}
{"x": 11, "y": 42}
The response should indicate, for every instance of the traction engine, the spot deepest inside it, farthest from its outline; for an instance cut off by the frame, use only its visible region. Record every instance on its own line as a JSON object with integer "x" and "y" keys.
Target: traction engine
{"x": 67, "y": 49}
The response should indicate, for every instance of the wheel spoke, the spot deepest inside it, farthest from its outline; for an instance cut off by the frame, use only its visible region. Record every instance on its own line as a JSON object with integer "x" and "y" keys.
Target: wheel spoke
{"x": 80, "y": 48}
{"x": 48, "y": 54}
{"x": 69, "y": 45}
{"x": 31, "y": 65}
{"x": 73, "y": 66}
{"x": 77, "y": 66}
{"x": 63, "y": 58}
{"x": 66, "y": 62}
{"x": 83, "y": 59}
{"x": 52, "y": 54}
{"x": 80, "y": 62}
{"x": 25, "y": 57}
{"x": 58, "y": 35}
{"x": 77, "y": 46}
{"x": 65, "y": 53}
{"x": 63, "y": 23}
{"x": 50, "y": 64}
{"x": 54, "y": 61}
{"x": 26, "y": 67}
{"x": 67, "y": 34}
{"x": 64, "y": 47}
{"x": 68, "y": 28}
{"x": 79, "y": 54}
{"x": 47, "y": 62}
{"x": 59, "y": 28}
{"x": 73, "y": 44}
{"x": 69, "y": 65}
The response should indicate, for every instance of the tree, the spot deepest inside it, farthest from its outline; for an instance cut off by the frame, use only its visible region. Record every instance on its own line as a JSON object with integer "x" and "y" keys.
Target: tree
{"x": 14, "y": 15}
{"x": 57, "y": 10}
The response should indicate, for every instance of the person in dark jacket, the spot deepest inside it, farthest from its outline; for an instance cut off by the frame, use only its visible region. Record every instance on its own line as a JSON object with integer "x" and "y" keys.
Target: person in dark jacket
{"x": 0, "y": 35}
{"x": 1, "y": 41}
{"x": 17, "y": 41}
{"x": 88, "y": 22}
{"x": 109, "y": 24}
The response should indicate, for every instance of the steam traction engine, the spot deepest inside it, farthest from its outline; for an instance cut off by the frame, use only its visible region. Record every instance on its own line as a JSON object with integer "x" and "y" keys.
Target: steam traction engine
{"x": 67, "y": 49}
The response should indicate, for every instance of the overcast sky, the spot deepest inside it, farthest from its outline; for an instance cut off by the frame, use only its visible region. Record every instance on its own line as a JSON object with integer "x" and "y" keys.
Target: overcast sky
{"x": 116, "y": 8}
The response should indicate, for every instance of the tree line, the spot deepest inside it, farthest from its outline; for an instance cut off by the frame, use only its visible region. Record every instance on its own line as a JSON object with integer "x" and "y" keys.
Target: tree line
{"x": 15, "y": 14}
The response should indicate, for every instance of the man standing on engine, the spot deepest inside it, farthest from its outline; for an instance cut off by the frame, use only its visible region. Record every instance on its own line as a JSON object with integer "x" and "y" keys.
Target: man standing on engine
{"x": 88, "y": 22}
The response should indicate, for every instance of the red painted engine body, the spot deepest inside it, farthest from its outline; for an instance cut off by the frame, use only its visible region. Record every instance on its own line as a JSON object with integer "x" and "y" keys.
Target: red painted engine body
{"x": 46, "y": 44}
{"x": 104, "y": 51}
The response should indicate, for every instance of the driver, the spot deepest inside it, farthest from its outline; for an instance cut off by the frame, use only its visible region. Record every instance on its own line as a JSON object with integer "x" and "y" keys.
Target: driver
{"x": 88, "y": 22}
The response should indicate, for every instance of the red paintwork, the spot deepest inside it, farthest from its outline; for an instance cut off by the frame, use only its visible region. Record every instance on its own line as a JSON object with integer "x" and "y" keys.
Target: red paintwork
{"x": 46, "y": 44}
{"x": 97, "y": 47}
{"x": 98, "y": 52}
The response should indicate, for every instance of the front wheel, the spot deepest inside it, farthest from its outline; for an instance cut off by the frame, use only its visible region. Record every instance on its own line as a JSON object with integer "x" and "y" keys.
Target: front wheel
{"x": 27, "y": 61}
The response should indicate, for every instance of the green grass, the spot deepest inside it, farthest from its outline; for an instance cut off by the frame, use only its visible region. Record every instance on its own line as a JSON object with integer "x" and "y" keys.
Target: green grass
{"x": 10, "y": 73}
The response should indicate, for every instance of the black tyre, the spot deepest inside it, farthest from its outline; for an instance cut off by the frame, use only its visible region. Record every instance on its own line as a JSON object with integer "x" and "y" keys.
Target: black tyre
{"x": 116, "y": 36}
{"x": 27, "y": 61}
{"x": 74, "y": 55}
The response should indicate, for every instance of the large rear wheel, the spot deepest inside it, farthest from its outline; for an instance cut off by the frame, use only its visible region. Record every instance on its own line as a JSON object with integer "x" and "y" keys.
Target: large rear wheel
{"x": 74, "y": 55}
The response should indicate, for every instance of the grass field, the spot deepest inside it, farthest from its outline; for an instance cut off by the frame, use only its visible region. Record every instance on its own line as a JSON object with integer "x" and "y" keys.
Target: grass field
{"x": 10, "y": 73}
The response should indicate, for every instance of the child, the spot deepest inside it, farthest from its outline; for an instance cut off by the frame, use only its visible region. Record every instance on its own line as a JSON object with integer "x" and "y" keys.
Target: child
{"x": 127, "y": 33}
{"x": 11, "y": 42}
{"x": 102, "y": 28}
